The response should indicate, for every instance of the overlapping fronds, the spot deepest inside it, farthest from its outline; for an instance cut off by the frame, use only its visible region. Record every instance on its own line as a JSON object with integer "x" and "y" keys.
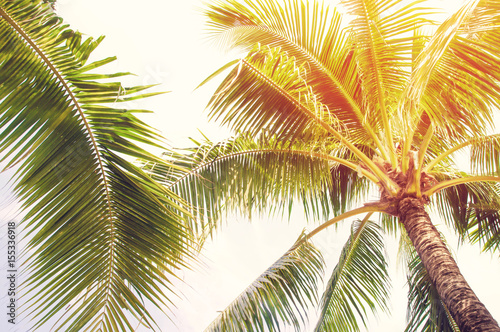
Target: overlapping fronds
{"x": 268, "y": 90}
{"x": 347, "y": 187}
{"x": 472, "y": 209}
{"x": 245, "y": 175}
{"x": 103, "y": 236}
{"x": 280, "y": 295}
{"x": 426, "y": 311}
{"x": 267, "y": 93}
{"x": 459, "y": 56}
{"x": 383, "y": 38}
{"x": 309, "y": 32}
{"x": 359, "y": 283}
{"x": 485, "y": 155}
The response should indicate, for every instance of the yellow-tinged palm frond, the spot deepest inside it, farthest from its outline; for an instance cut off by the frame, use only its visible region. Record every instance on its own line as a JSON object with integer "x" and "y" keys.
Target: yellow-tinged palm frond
{"x": 284, "y": 290}
{"x": 267, "y": 92}
{"x": 459, "y": 56}
{"x": 409, "y": 100}
{"x": 382, "y": 38}
{"x": 312, "y": 34}
{"x": 245, "y": 175}
{"x": 360, "y": 281}
{"x": 103, "y": 237}
{"x": 485, "y": 155}
{"x": 471, "y": 207}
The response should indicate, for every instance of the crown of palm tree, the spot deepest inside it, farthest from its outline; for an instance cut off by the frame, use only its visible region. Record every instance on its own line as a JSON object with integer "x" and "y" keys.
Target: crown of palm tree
{"x": 326, "y": 112}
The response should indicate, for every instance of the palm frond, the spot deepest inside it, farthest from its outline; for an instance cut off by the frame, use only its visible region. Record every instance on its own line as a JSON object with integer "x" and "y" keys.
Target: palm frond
{"x": 320, "y": 43}
{"x": 383, "y": 37}
{"x": 267, "y": 90}
{"x": 279, "y": 295}
{"x": 103, "y": 236}
{"x": 459, "y": 56}
{"x": 360, "y": 281}
{"x": 472, "y": 209}
{"x": 246, "y": 175}
{"x": 485, "y": 155}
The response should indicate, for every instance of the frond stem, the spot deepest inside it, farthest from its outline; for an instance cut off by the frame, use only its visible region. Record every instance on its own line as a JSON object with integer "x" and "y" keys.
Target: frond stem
{"x": 65, "y": 84}
{"x": 70, "y": 93}
{"x": 450, "y": 183}
{"x": 432, "y": 58}
{"x": 317, "y": 155}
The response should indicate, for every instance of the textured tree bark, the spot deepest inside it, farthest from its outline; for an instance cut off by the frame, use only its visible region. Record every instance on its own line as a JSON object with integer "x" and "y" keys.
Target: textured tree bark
{"x": 466, "y": 309}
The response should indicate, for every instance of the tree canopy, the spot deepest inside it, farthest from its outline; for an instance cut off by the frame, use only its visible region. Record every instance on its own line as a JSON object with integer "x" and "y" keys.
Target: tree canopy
{"x": 324, "y": 114}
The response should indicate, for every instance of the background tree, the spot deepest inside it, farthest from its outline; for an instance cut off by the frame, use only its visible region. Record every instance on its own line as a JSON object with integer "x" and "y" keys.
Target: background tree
{"x": 103, "y": 238}
{"x": 328, "y": 113}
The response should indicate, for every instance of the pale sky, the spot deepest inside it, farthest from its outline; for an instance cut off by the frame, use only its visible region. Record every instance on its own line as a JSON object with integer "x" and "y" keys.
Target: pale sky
{"x": 162, "y": 42}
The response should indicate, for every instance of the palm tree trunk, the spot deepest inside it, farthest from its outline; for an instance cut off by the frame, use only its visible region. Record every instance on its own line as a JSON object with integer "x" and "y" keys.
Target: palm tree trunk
{"x": 466, "y": 309}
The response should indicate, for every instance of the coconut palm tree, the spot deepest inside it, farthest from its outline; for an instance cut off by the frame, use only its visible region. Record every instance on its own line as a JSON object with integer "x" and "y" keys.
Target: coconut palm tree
{"x": 327, "y": 113}
{"x": 102, "y": 238}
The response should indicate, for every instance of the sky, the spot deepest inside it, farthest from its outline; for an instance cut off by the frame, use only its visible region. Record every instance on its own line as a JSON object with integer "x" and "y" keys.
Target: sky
{"x": 162, "y": 42}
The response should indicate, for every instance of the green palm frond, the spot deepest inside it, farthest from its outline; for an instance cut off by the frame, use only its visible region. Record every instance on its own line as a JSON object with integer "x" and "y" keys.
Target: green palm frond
{"x": 485, "y": 155}
{"x": 278, "y": 296}
{"x": 246, "y": 175}
{"x": 406, "y": 100}
{"x": 360, "y": 281}
{"x": 483, "y": 150}
{"x": 103, "y": 237}
{"x": 267, "y": 92}
{"x": 426, "y": 311}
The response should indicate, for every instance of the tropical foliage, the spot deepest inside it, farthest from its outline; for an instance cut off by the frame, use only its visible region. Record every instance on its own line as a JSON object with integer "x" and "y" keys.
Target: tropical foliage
{"x": 324, "y": 112}
{"x": 327, "y": 112}
{"x": 103, "y": 237}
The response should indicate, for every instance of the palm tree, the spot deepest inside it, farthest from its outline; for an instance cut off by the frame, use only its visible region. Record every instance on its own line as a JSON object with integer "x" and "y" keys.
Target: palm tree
{"x": 103, "y": 238}
{"x": 327, "y": 113}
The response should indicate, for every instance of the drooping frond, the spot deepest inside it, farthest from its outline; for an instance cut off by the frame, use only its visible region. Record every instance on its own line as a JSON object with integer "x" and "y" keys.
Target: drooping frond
{"x": 485, "y": 155}
{"x": 246, "y": 175}
{"x": 359, "y": 282}
{"x": 426, "y": 312}
{"x": 278, "y": 296}
{"x": 472, "y": 209}
{"x": 103, "y": 236}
